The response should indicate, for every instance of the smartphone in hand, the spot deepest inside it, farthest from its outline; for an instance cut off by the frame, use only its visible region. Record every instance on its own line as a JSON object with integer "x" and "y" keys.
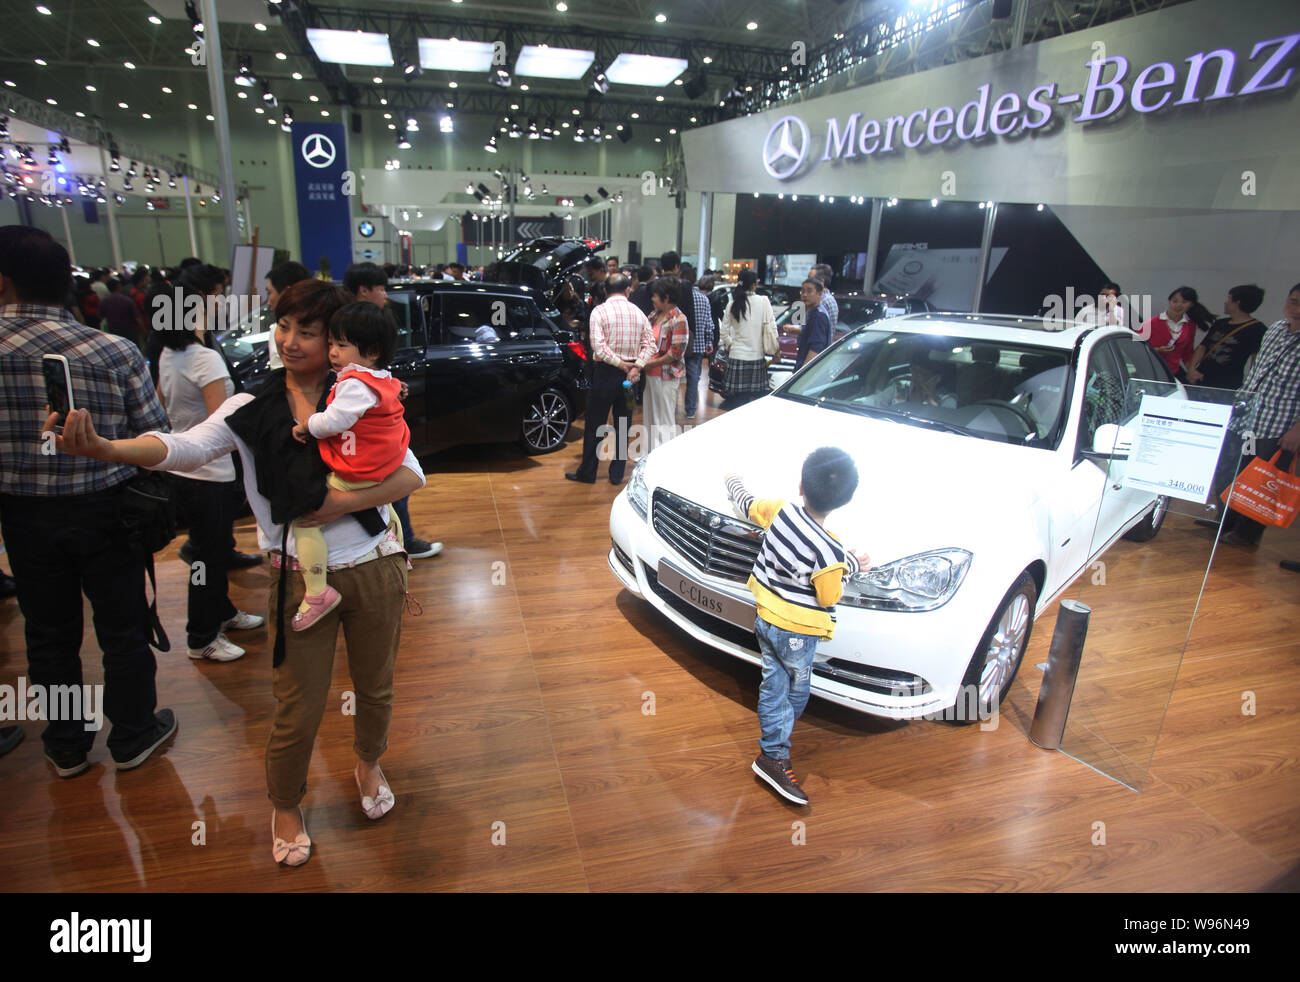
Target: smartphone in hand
{"x": 58, "y": 385}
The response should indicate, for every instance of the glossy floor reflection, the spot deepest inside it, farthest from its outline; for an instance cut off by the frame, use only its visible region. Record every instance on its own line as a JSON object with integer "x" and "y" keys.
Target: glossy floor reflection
{"x": 524, "y": 757}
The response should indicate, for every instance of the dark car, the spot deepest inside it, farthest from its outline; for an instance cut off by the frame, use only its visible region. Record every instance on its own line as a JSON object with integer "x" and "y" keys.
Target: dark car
{"x": 856, "y": 309}
{"x": 485, "y": 363}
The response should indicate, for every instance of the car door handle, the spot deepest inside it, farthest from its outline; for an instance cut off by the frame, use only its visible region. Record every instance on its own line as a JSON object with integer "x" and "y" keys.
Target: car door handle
{"x": 527, "y": 358}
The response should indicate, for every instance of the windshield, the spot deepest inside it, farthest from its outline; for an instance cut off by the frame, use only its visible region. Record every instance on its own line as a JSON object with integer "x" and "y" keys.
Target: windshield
{"x": 238, "y": 347}
{"x": 854, "y": 312}
{"x": 993, "y": 390}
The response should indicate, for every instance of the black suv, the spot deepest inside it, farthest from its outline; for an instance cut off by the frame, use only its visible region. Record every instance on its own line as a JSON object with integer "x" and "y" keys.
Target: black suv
{"x": 485, "y": 362}
{"x": 544, "y": 264}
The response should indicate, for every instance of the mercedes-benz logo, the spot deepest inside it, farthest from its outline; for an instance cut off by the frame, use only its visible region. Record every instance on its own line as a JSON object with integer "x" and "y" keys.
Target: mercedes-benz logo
{"x": 782, "y": 157}
{"x": 318, "y": 150}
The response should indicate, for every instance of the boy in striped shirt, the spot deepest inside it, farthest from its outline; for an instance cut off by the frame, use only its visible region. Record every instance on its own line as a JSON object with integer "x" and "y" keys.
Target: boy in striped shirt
{"x": 798, "y": 579}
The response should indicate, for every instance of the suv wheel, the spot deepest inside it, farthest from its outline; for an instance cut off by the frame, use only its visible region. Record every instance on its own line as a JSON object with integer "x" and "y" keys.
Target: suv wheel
{"x": 546, "y": 422}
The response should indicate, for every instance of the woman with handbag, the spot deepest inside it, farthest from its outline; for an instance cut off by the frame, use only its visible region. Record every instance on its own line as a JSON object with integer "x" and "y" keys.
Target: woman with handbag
{"x": 193, "y": 382}
{"x": 748, "y": 331}
{"x": 663, "y": 372}
{"x": 1220, "y": 359}
{"x": 367, "y": 562}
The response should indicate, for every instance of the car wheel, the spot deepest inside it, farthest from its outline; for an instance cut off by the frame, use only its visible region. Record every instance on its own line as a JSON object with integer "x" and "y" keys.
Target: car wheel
{"x": 1145, "y": 530}
{"x": 546, "y": 422}
{"x": 996, "y": 660}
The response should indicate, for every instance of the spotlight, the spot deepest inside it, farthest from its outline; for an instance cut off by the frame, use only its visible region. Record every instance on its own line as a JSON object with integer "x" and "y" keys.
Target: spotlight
{"x": 599, "y": 81}
{"x": 171, "y": 180}
{"x": 589, "y": 199}
{"x": 515, "y": 132}
{"x": 286, "y": 123}
{"x": 192, "y": 12}
{"x": 501, "y": 77}
{"x": 244, "y": 76}
{"x": 602, "y": 192}
{"x": 267, "y": 95}
{"x": 446, "y": 124}
{"x": 402, "y": 142}
{"x": 412, "y": 125}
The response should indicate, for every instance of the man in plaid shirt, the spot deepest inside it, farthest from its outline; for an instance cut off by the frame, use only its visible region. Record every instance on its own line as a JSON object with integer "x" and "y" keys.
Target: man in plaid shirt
{"x": 622, "y": 341}
{"x": 699, "y": 316}
{"x": 1275, "y": 378}
{"x": 60, "y": 514}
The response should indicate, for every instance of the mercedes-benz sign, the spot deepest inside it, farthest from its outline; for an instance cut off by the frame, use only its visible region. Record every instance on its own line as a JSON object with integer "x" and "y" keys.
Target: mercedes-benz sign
{"x": 786, "y": 147}
{"x": 318, "y": 150}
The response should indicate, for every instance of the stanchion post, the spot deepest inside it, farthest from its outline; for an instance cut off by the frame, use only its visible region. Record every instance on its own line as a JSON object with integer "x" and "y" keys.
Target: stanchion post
{"x": 1062, "y": 672}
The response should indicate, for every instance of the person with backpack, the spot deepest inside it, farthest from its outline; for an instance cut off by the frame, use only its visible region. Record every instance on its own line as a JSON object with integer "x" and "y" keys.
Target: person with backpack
{"x": 62, "y": 516}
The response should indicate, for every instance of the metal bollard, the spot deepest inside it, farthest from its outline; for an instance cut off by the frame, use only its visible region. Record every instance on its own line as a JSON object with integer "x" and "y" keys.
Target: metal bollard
{"x": 1063, "y": 660}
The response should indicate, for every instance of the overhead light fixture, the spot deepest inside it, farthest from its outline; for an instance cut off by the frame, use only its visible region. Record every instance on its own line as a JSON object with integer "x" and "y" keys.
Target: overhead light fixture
{"x": 491, "y": 145}
{"x": 402, "y": 142}
{"x": 453, "y": 55}
{"x": 539, "y": 61}
{"x": 499, "y": 76}
{"x": 268, "y": 96}
{"x": 599, "y": 81}
{"x": 192, "y": 12}
{"x": 244, "y": 76}
{"x": 412, "y": 125}
{"x": 286, "y": 122}
{"x": 350, "y": 47}
{"x": 630, "y": 69}
{"x": 446, "y": 124}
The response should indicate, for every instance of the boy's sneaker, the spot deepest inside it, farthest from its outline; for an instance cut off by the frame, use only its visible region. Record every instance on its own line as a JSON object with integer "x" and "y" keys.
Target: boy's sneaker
{"x": 67, "y": 763}
{"x": 164, "y": 726}
{"x": 780, "y": 776}
{"x": 220, "y": 648}
{"x": 420, "y": 549}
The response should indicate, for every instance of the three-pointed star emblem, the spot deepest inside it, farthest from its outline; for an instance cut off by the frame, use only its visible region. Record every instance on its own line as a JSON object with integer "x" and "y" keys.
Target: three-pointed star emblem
{"x": 318, "y": 150}
{"x": 785, "y": 147}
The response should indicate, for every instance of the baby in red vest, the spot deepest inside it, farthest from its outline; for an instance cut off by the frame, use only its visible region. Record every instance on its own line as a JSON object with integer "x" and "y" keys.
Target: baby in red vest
{"x": 361, "y": 434}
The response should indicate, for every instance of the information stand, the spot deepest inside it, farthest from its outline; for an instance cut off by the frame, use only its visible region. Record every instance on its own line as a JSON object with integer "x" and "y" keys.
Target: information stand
{"x": 1177, "y": 446}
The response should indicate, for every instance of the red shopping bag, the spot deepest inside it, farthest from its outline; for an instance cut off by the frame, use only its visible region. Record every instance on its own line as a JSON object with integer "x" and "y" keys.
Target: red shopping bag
{"x": 1266, "y": 493}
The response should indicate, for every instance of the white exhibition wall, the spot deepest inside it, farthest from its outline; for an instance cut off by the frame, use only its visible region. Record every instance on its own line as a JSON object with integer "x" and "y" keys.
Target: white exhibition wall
{"x": 1154, "y": 251}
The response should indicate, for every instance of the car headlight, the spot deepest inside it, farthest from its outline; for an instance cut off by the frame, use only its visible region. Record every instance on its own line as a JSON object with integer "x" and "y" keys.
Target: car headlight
{"x": 637, "y": 491}
{"x": 925, "y": 581}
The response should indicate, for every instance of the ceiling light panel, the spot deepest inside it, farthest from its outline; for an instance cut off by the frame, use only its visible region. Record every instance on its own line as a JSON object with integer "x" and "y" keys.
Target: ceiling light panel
{"x": 350, "y": 47}
{"x": 645, "y": 69}
{"x": 537, "y": 62}
{"x": 444, "y": 54}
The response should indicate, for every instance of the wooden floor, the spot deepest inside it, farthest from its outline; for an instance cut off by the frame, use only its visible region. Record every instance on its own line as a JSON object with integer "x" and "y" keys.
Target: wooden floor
{"x": 522, "y": 759}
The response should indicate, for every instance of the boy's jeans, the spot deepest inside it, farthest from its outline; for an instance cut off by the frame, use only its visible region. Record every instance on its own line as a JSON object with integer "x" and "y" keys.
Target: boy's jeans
{"x": 783, "y": 693}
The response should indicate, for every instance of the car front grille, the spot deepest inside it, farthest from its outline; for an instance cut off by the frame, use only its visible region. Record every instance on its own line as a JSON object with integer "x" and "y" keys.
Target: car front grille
{"x": 708, "y": 540}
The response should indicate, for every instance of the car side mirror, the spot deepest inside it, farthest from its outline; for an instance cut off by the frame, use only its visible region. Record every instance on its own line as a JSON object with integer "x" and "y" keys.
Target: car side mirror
{"x": 1110, "y": 442}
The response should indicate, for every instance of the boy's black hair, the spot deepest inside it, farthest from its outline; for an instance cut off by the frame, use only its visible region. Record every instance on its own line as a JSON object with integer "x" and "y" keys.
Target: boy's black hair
{"x": 367, "y": 326}
{"x": 818, "y": 285}
{"x": 364, "y": 274}
{"x": 829, "y": 479}
{"x": 1248, "y": 297}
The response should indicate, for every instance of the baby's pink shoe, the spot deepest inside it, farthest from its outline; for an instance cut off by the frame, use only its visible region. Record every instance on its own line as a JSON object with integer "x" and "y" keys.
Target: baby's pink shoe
{"x": 317, "y": 607}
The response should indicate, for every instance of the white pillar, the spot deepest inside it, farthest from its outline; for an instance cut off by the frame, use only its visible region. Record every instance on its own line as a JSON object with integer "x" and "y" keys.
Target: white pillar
{"x": 221, "y": 124}
{"x": 112, "y": 218}
{"x": 189, "y": 217}
{"x": 67, "y": 234}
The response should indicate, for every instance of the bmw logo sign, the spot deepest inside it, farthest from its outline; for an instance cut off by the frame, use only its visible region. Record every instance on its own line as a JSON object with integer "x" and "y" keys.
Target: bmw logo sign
{"x": 366, "y": 229}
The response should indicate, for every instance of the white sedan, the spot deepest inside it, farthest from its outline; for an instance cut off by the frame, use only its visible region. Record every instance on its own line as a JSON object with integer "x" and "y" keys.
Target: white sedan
{"x": 984, "y": 446}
